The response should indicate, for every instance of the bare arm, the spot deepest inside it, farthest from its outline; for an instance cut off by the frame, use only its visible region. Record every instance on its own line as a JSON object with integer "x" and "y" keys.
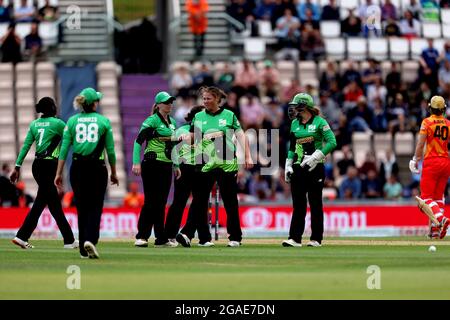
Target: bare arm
{"x": 243, "y": 142}
{"x": 419, "y": 147}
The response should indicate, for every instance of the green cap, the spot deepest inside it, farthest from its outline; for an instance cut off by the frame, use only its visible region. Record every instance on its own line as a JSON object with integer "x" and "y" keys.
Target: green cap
{"x": 163, "y": 97}
{"x": 268, "y": 63}
{"x": 302, "y": 98}
{"x": 91, "y": 95}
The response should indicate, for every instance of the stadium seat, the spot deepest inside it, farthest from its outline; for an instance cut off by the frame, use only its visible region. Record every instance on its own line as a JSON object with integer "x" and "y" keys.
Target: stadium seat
{"x": 417, "y": 46}
{"x": 362, "y": 141}
{"x": 404, "y": 143}
{"x": 254, "y": 48}
{"x": 445, "y": 16}
{"x": 446, "y": 31}
{"x": 431, "y": 30}
{"x": 357, "y": 48}
{"x": 265, "y": 29}
{"x": 308, "y": 73}
{"x": 378, "y": 48}
{"x": 344, "y": 65}
{"x": 386, "y": 67}
{"x": 349, "y": 4}
{"x": 335, "y": 48}
{"x": 323, "y": 3}
{"x": 439, "y": 44}
{"x": 398, "y": 49}
{"x": 287, "y": 71}
{"x": 382, "y": 142}
{"x": 45, "y": 80}
{"x": 410, "y": 70}
{"x": 330, "y": 29}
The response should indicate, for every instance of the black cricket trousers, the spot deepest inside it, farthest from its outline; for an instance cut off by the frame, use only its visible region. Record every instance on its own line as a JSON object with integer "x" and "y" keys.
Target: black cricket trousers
{"x": 183, "y": 189}
{"x": 228, "y": 191}
{"x": 44, "y": 171}
{"x": 157, "y": 179}
{"x": 305, "y": 184}
{"x": 89, "y": 179}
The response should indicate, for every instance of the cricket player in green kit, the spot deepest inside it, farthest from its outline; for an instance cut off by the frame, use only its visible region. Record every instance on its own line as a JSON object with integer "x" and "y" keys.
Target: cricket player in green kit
{"x": 89, "y": 133}
{"x": 311, "y": 139}
{"x": 157, "y": 132}
{"x": 217, "y": 125}
{"x": 47, "y": 132}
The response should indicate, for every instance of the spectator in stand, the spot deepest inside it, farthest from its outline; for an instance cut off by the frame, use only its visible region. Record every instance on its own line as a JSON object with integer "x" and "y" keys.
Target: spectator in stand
{"x": 360, "y": 117}
{"x": 291, "y": 90}
{"x": 232, "y": 104}
{"x": 68, "y": 200}
{"x": 350, "y": 75}
{"x": 24, "y": 13}
{"x": 350, "y": 187}
{"x": 10, "y": 45}
{"x": 397, "y": 114}
{"x": 183, "y": 107}
{"x": 388, "y": 11}
{"x": 371, "y": 74}
{"x": 429, "y": 65}
{"x": 393, "y": 79}
{"x": 336, "y": 92}
{"x": 376, "y": 91}
{"x": 8, "y": 192}
{"x": 198, "y": 23}
{"x": 392, "y": 29}
{"x": 246, "y": 79}
{"x": 309, "y": 21}
{"x": 312, "y": 46}
{"x": 279, "y": 11}
{"x": 273, "y": 115}
{"x": 444, "y": 4}
{"x": 48, "y": 12}
{"x": 25, "y": 200}
{"x": 328, "y": 75}
{"x": 444, "y": 78}
{"x": 204, "y": 77}
{"x": 445, "y": 55}
{"x": 409, "y": 26}
{"x": 415, "y": 8}
{"x": 330, "y": 110}
{"x": 351, "y": 26}
{"x": 33, "y": 42}
{"x": 352, "y": 94}
{"x": 181, "y": 81}
{"x": 252, "y": 112}
{"x": 370, "y": 163}
{"x": 392, "y": 189}
{"x": 134, "y": 198}
{"x": 286, "y": 27}
{"x": 370, "y": 186}
{"x": 331, "y": 11}
{"x": 259, "y": 187}
{"x": 388, "y": 167}
{"x": 269, "y": 80}
{"x": 226, "y": 78}
{"x": 347, "y": 161}
{"x": 379, "y": 122}
{"x": 242, "y": 11}
{"x": 289, "y": 47}
{"x": 305, "y": 5}
{"x": 343, "y": 134}
{"x": 4, "y": 13}
{"x": 264, "y": 10}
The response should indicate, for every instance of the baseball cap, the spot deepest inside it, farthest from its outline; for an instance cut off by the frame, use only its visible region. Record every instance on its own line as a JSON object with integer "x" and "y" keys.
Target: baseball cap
{"x": 163, "y": 97}
{"x": 437, "y": 102}
{"x": 302, "y": 99}
{"x": 91, "y": 95}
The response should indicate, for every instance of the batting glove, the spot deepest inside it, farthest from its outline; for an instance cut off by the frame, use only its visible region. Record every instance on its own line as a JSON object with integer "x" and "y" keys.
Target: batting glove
{"x": 288, "y": 170}
{"x": 312, "y": 160}
{"x": 413, "y": 165}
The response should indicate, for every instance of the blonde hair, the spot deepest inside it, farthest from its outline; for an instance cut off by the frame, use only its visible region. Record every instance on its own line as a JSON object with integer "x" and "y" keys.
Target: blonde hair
{"x": 216, "y": 92}
{"x": 80, "y": 103}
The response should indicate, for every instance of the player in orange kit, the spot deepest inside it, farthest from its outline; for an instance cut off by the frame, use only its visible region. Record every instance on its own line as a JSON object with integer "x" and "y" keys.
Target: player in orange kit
{"x": 434, "y": 132}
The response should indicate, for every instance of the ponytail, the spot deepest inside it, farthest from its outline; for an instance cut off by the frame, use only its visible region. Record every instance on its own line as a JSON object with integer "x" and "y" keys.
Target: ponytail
{"x": 80, "y": 103}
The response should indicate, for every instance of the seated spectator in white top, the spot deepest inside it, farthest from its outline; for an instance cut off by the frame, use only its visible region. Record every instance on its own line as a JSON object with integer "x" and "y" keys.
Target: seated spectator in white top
{"x": 331, "y": 11}
{"x": 376, "y": 91}
{"x": 307, "y": 4}
{"x": 181, "y": 81}
{"x": 48, "y": 12}
{"x": 4, "y": 13}
{"x": 415, "y": 7}
{"x": 285, "y": 24}
{"x": 409, "y": 27}
{"x": 24, "y": 13}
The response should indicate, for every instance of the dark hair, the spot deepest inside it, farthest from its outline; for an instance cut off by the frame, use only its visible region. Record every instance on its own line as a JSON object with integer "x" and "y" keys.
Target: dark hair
{"x": 437, "y": 112}
{"x": 193, "y": 112}
{"x": 46, "y": 106}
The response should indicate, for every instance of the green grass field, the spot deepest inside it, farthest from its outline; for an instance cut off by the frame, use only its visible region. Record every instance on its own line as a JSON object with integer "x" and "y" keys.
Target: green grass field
{"x": 260, "y": 269}
{"x": 129, "y": 10}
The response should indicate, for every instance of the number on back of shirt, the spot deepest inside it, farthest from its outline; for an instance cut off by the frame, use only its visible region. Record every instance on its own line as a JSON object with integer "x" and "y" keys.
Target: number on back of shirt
{"x": 41, "y": 135}
{"x": 87, "y": 133}
{"x": 441, "y": 132}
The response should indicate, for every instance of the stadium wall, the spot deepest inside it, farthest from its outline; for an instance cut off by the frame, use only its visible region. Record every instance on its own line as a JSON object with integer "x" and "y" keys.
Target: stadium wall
{"x": 364, "y": 220}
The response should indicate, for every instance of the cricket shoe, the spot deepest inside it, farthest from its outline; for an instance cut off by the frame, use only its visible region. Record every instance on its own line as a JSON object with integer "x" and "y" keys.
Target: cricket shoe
{"x": 91, "y": 250}
{"x": 142, "y": 243}
{"x": 206, "y": 244}
{"x": 73, "y": 245}
{"x": 435, "y": 231}
{"x": 22, "y": 244}
{"x": 168, "y": 244}
{"x": 313, "y": 243}
{"x": 291, "y": 243}
{"x": 445, "y": 223}
{"x": 183, "y": 240}
{"x": 233, "y": 244}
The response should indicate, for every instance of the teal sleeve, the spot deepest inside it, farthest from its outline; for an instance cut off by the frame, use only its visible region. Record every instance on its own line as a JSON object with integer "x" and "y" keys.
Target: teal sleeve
{"x": 29, "y": 139}
{"x": 136, "y": 153}
{"x": 110, "y": 146}
{"x": 329, "y": 138}
{"x": 66, "y": 143}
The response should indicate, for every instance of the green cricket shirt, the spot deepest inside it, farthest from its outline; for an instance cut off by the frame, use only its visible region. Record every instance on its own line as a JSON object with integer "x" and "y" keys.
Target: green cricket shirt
{"x": 185, "y": 152}
{"x": 47, "y": 133}
{"x": 309, "y": 137}
{"x": 219, "y": 152}
{"x": 88, "y": 134}
{"x": 152, "y": 128}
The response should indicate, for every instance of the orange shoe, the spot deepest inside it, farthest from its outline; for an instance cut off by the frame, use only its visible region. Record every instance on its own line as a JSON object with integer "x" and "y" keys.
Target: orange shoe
{"x": 445, "y": 224}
